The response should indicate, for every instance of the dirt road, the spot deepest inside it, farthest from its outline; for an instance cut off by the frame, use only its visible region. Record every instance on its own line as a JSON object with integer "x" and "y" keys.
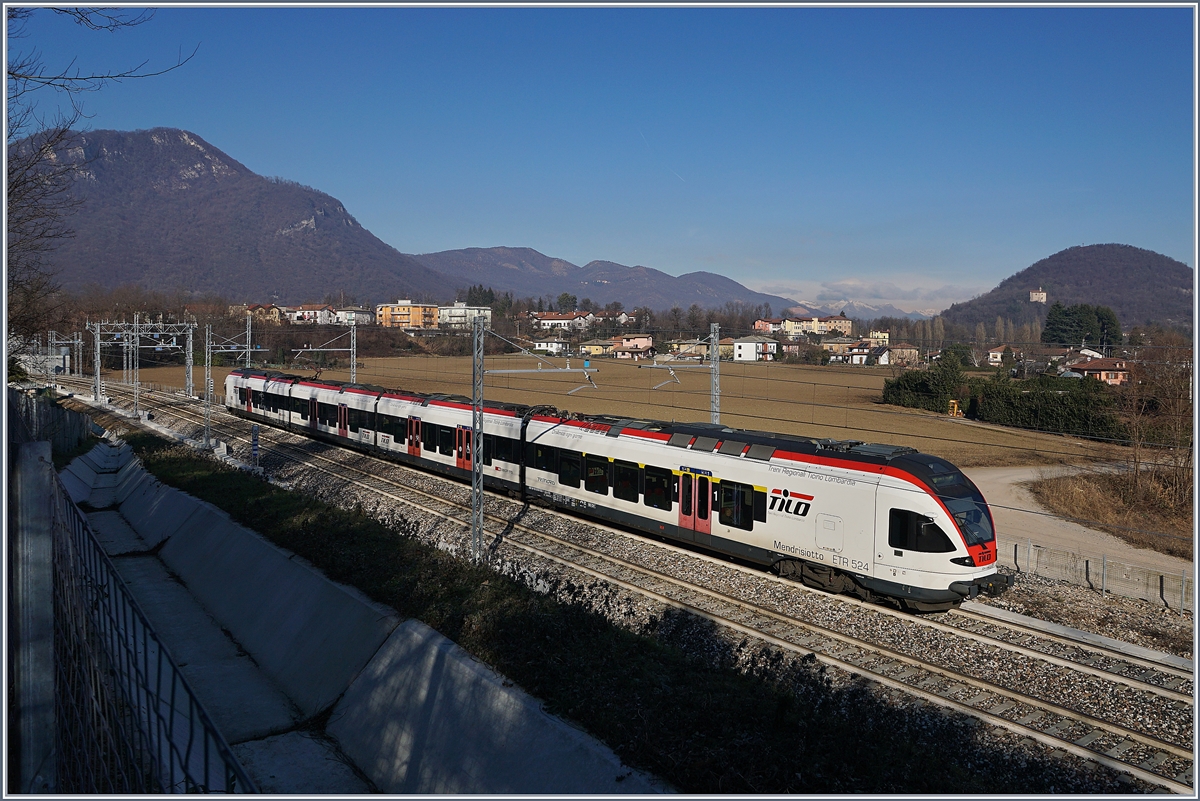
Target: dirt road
{"x": 1014, "y": 526}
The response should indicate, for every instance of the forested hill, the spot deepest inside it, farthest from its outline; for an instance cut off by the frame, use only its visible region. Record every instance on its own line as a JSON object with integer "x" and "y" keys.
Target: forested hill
{"x": 1141, "y": 286}
{"x": 166, "y": 210}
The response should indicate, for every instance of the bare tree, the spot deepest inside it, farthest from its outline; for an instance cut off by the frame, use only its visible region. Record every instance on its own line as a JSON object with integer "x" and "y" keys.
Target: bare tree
{"x": 43, "y": 160}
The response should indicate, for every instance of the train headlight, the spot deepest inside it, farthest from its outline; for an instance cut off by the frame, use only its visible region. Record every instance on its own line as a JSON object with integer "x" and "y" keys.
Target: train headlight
{"x": 965, "y": 561}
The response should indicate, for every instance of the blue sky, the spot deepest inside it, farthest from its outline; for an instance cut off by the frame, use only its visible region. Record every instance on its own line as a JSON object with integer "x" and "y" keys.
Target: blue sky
{"x": 909, "y": 155}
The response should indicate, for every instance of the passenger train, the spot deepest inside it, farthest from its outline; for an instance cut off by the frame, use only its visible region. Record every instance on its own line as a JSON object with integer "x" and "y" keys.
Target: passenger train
{"x": 882, "y": 522}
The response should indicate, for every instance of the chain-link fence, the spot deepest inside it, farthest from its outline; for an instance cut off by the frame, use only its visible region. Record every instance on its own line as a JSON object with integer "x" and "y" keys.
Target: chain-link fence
{"x": 124, "y": 718}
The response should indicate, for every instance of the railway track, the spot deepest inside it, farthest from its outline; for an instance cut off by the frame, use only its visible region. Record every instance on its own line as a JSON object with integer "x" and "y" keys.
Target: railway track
{"x": 1131, "y": 714}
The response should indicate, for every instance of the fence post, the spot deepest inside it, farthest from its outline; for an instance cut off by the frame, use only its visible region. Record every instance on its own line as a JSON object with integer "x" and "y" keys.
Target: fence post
{"x": 1182, "y": 591}
{"x": 1104, "y": 576}
{"x": 33, "y": 618}
{"x": 1029, "y": 555}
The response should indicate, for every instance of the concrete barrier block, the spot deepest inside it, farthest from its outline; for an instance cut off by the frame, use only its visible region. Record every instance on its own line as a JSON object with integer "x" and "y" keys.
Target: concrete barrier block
{"x": 311, "y": 635}
{"x": 135, "y": 482}
{"x": 76, "y": 488}
{"x": 164, "y": 514}
{"x": 130, "y": 471}
{"x": 424, "y": 717}
{"x": 82, "y": 470}
{"x": 102, "y": 459}
{"x": 136, "y": 508}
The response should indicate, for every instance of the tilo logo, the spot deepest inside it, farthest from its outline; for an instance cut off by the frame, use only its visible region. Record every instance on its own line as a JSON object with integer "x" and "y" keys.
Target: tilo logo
{"x": 790, "y": 503}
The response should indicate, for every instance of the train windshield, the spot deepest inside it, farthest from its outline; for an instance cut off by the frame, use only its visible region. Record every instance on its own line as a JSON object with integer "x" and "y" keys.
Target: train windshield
{"x": 957, "y": 492}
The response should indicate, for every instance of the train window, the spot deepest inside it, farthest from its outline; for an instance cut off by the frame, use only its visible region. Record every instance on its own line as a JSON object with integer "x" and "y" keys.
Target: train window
{"x": 568, "y": 469}
{"x": 760, "y": 506}
{"x": 258, "y": 398}
{"x": 701, "y": 494}
{"x": 915, "y": 532}
{"x": 445, "y": 440}
{"x": 391, "y": 426}
{"x": 545, "y": 457}
{"x": 685, "y": 495}
{"x": 596, "y": 474}
{"x": 504, "y": 449}
{"x": 300, "y": 407}
{"x": 429, "y": 436}
{"x": 625, "y": 481}
{"x": 327, "y": 414}
{"x": 489, "y": 447}
{"x": 737, "y": 505}
{"x": 658, "y": 488}
{"x": 241, "y": 394}
{"x": 352, "y": 420}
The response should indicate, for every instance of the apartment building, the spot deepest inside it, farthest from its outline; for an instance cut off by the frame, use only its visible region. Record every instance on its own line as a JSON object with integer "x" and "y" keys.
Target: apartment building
{"x": 406, "y": 314}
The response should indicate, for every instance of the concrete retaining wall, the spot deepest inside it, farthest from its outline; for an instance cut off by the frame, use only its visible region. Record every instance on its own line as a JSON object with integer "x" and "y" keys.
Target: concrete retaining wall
{"x": 1173, "y": 590}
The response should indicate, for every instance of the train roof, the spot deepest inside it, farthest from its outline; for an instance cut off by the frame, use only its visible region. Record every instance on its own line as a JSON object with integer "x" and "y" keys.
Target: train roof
{"x": 763, "y": 444}
{"x": 701, "y": 436}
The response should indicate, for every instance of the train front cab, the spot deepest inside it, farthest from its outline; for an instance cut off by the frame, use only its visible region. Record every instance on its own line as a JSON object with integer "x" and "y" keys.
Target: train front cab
{"x": 933, "y": 530}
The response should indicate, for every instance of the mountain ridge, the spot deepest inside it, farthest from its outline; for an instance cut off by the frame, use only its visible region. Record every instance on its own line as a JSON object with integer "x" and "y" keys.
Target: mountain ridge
{"x": 164, "y": 209}
{"x": 535, "y": 274}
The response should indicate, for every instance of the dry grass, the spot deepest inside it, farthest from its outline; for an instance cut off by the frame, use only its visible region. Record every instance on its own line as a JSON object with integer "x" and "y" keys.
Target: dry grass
{"x": 1106, "y": 498}
{"x": 836, "y": 402}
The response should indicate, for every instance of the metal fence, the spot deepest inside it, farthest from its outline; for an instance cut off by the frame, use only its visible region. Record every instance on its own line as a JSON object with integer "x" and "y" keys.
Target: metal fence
{"x": 125, "y": 719}
{"x": 1099, "y": 572}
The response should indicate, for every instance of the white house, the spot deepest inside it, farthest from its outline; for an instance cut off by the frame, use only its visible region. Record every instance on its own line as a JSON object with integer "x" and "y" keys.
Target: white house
{"x": 311, "y": 314}
{"x": 620, "y": 318}
{"x": 460, "y": 315}
{"x": 574, "y": 321}
{"x": 996, "y": 354}
{"x": 551, "y": 347}
{"x": 754, "y": 349}
{"x": 355, "y": 315}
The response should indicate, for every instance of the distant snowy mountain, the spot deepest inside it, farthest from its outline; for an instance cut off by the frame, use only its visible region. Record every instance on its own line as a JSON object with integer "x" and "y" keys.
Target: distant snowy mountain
{"x": 858, "y": 311}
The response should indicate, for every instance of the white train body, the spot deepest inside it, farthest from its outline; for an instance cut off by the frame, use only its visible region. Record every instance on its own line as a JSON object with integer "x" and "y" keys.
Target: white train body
{"x": 876, "y": 520}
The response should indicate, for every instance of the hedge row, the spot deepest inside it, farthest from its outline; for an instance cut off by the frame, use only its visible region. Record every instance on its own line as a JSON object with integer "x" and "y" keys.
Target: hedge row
{"x": 1046, "y": 403}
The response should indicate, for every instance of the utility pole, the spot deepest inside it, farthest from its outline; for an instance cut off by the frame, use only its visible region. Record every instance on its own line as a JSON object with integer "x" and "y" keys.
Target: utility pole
{"x": 714, "y": 364}
{"x": 124, "y": 357}
{"x": 476, "y": 437}
{"x": 207, "y": 385}
{"x": 188, "y": 389}
{"x": 478, "y": 330}
{"x": 249, "y": 317}
{"x": 353, "y": 350}
{"x": 96, "y": 365}
{"x": 137, "y": 360}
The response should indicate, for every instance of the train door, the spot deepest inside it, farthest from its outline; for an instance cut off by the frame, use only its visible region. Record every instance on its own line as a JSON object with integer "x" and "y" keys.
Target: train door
{"x": 312, "y": 413}
{"x": 695, "y": 503}
{"x": 462, "y": 447}
{"x": 909, "y": 544}
{"x": 249, "y": 399}
{"x": 343, "y": 420}
{"x": 414, "y": 436}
